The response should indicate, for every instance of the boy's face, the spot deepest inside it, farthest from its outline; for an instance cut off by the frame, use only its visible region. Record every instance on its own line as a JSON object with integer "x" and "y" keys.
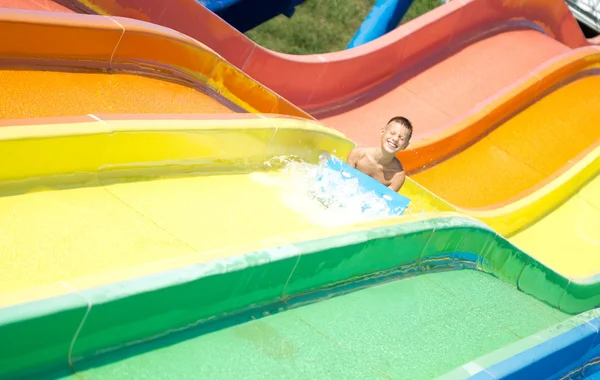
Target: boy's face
{"x": 394, "y": 137}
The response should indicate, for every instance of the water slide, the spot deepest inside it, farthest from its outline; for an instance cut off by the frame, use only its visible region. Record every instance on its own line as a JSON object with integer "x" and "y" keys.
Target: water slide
{"x": 442, "y": 83}
{"x": 169, "y": 88}
{"x": 420, "y": 70}
{"x": 499, "y": 136}
{"x": 111, "y": 238}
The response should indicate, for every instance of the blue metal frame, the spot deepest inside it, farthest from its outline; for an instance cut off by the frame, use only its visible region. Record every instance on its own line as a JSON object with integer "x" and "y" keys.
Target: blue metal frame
{"x": 383, "y": 17}
{"x": 217, "y": 5}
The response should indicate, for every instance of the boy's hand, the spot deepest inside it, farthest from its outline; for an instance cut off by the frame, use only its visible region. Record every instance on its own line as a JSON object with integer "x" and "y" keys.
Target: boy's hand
{"x": 397, "y": 181}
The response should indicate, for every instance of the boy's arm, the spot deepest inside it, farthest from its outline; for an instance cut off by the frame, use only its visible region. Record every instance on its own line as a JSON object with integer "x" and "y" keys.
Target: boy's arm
{"x": 353, "y": 157}
{"x": 397, "y": 181}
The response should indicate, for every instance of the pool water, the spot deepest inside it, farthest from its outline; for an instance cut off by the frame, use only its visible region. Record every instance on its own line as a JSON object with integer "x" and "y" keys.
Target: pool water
{"x": 321, "y": 194}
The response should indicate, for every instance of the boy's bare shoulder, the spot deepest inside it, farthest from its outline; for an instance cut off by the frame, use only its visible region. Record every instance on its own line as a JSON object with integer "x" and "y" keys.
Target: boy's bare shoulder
{"x": 397, "y": 165}
{"x": 359, "y": 152}
{"x": 360, "y": 149}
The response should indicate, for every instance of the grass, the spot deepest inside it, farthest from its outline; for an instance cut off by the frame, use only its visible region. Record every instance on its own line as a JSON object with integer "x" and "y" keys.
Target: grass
{"x": 321, "y": 26}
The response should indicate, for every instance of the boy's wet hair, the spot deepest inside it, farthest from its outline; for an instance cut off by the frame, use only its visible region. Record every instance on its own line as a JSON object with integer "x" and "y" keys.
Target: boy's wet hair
{"x": 402, "y": 121}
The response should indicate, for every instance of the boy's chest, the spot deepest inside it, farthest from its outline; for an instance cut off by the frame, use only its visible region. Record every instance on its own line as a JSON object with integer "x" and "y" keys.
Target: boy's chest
{"x": 375, "y": 171}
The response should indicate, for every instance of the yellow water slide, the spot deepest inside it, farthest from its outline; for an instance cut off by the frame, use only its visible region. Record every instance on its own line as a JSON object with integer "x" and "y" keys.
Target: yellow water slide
{"x": 150, "y": 137}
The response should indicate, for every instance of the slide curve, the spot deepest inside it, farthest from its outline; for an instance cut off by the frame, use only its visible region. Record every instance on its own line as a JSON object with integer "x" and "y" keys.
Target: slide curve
{"x": 357, "y": 90}
{"x": 142, "y": 217}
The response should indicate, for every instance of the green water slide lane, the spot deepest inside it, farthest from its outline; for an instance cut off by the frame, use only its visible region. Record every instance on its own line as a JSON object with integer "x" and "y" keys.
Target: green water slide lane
{"x": 416, "y": 328}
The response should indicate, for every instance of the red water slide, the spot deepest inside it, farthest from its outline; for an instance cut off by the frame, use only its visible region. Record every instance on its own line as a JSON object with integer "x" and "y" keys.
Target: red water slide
{"x": 437, "y": 69}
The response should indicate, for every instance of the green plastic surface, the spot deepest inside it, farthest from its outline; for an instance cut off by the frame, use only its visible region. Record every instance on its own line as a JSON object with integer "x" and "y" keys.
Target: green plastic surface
{"x": 144, "y": 308}
{"x": 36, "y": 337}
{"x": 415, "y": 328}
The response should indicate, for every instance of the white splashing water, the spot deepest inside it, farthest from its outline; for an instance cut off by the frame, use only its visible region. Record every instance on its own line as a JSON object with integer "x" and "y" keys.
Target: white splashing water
{"x": 321, "y": 194}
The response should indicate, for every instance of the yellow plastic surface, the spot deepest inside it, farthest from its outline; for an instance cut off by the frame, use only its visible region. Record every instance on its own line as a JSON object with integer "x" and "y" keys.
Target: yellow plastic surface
{"x": 52, "y": 236}
{"x": 155, "y": 146}
{"x": 513, "y": 217}
{"x": 128, "y": 205}
{"x": 89, "y": 236}
{"x": 568, "y": 238}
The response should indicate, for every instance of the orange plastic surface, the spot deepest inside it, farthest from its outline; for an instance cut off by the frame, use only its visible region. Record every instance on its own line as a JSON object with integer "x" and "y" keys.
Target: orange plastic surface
{"x": 28, "y": 94}
{"x": 483, "y": 118}
{"x": 66, "y": 42}
{"x": 529, "y": 148}
{"x": 433, "y": 69}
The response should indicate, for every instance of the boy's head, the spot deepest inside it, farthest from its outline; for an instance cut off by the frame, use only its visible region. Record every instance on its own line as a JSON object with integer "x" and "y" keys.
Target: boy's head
{"x": 396, "y": 134}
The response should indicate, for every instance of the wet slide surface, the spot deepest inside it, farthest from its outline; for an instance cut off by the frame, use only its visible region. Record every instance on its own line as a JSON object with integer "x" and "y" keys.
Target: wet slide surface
{"x": 433, "y": 92}
{"x": 66, "y": 234}
{"x": 160, "y": 222}
{"x": 416, "y": 328}
{"x": 576, "y": 223}
{"x": 519, "y": 154}
{"x": 436, "y": 92}
{"x": 524, "y": 153}
{"x": 30, "y": 93}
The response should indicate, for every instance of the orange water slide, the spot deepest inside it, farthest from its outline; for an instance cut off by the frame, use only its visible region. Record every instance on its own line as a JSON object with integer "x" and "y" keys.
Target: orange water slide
{"x": 436, "y": 69}
{"x": 548, "y": 125}
{"x": 60, "y": 64}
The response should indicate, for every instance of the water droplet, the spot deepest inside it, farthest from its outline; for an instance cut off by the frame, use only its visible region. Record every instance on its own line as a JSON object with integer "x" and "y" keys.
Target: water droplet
{"x": 324, "y": 196}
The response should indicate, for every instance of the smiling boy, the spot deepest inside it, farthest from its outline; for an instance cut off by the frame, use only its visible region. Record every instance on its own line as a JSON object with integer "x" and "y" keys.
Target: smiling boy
{"x": 380, "y": 162}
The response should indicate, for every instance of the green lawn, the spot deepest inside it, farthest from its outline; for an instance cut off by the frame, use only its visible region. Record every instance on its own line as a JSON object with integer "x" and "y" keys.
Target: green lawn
{"x": 321, "y": 26}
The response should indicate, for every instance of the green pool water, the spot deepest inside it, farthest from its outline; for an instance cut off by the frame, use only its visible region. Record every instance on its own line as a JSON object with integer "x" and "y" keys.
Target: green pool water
{"x": 415, "y": 328}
